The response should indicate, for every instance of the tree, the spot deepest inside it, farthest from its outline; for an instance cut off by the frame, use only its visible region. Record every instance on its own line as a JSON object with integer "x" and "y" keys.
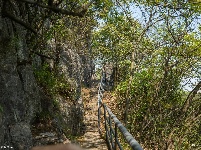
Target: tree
{"x": 161, "y": 52}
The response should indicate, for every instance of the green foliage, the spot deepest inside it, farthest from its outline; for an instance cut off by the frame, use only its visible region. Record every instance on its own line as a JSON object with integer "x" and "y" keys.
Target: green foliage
{"x": 45, "y": 76}
{"x": 54, "y": 83}
{"x": 110, "y": 42}
{"x": 152, "y": 61}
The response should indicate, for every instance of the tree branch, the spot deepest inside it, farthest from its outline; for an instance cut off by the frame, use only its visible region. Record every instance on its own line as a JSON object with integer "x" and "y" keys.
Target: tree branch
{"x": 14, "y": 18}
{"x": 41, "y": 55}
{"x": 58, "y": 10}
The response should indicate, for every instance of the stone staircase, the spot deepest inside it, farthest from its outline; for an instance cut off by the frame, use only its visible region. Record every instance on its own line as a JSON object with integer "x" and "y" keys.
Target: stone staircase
{"x": 91, "y": 139}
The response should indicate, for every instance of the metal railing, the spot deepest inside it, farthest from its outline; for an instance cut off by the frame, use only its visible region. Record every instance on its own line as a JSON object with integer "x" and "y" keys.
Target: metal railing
{"x": 110, "y": 120}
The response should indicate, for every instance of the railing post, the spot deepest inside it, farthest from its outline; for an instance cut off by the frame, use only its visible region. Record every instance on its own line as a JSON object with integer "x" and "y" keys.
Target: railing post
{"x": 99, "y": 118}
{"x": 105, "y": 118}
{"x": 111, "y": 139}
{"x": 115, "y": 136}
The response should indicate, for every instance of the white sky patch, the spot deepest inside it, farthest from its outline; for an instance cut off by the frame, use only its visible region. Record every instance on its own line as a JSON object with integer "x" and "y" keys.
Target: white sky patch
{"x": 189, "y": 83}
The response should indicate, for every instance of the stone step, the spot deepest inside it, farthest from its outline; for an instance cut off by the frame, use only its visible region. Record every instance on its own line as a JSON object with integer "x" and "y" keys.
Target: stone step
{"x": 91, "y": 140}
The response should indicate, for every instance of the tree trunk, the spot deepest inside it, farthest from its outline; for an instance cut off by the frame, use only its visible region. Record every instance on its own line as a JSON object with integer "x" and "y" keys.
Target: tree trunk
{"x": 190, "y": 97}
{"x": 128, "y": 89}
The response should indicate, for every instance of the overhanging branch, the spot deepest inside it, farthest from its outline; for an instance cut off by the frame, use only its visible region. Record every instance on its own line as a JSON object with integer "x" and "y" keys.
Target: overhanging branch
{"x": 14, "y": 18}
{"x": 58, "y": 10}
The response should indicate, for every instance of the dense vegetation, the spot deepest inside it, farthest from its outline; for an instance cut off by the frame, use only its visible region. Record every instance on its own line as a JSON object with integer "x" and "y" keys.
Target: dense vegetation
{"x": 154, "y": 46}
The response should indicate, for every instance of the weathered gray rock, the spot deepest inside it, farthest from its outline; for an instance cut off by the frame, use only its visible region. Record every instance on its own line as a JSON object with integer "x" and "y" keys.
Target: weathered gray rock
{"x": 48, "y": 138}
{"x": 20, "y": 97}
{"x": 19, "y": 94}
{"x": 108, "y": 74}
{"x": 21, "y": 136}
{"x": 70, "y": 66}
{"x": 70, "y": 118}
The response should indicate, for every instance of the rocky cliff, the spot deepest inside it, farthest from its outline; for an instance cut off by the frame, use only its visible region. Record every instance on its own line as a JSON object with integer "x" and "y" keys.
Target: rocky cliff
{"x": 22, "y": 98}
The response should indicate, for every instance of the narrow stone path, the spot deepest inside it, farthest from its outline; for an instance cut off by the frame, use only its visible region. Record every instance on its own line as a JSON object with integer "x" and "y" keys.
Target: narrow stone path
{"x": 91, "y": 139}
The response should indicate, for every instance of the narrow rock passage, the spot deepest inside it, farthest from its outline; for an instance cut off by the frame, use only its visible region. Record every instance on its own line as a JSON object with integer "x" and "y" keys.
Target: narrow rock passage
{"x": 91, "y": 139}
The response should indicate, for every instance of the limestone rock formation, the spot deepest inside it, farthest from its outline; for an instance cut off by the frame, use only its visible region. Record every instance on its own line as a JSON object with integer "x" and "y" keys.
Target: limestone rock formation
{"x": 20, "y": 96}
